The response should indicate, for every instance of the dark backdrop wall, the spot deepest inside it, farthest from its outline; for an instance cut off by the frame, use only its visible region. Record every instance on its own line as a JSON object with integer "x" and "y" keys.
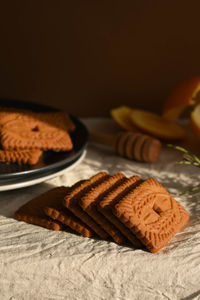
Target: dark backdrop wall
{"x": 88, "y": 56}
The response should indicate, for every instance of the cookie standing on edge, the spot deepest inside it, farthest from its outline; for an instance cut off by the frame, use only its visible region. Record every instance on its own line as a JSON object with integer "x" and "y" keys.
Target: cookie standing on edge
{"x": 106, "y": 205}
{"x": 90, "y": 199}
{"x": 152, "y": 214}
{"x": 71, "y": 201}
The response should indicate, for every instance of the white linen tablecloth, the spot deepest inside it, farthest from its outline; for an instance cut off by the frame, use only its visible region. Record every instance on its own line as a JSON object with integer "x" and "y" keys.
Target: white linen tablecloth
{"x": 36, "y": 263}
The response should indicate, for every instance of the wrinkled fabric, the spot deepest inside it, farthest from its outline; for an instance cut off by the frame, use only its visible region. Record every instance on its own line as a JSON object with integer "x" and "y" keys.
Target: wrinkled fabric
{"x": 36, "y": 263}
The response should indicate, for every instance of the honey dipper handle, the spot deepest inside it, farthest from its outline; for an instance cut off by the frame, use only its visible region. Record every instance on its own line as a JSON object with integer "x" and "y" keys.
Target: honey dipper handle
{"x": 132, "y": 145}
{"x": 102, "y": 138}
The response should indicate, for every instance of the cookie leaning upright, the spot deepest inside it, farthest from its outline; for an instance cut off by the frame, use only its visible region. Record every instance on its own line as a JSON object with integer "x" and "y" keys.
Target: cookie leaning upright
{"x": 90, "y": 199}
{"x": 152, "y": 214}
{"x": 108, "y": 202}
{"x": 76, "y": 192}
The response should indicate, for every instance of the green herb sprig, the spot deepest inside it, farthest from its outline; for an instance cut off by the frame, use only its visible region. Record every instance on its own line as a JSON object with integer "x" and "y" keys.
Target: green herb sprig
{"x": 188, "y": 159}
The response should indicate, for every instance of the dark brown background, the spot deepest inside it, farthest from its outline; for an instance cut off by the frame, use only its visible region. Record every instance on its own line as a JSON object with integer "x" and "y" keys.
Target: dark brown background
{"x": 88, "y": 56}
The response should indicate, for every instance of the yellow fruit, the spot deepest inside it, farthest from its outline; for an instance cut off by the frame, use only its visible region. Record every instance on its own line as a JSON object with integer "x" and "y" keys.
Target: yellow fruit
{"x": 155, "y": 125}
{"x": 121, "y": 115}
{"x": 195, "y": 121}
{"x": 182, "y": 96}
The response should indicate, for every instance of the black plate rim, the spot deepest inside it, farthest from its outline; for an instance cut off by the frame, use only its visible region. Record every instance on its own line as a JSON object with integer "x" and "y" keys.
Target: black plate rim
{"x": 11, "y": 181}
{"x": 49, "y": 168}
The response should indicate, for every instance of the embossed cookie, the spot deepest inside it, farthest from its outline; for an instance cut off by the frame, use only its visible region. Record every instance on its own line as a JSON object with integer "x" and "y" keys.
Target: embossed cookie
{"x": 152, "y": 214}
{"x": 58, "y": 212}
{"x": 9, "y": 114}
{"x": 107, "y": 203}
{"x": 29, "y": 133}
{"x": 71, "y": 201}
{"x": 90, "y": 199}
{"x": 30, "y": 157}
{"x": 33, "y": 211}
{"x": 60, "y": 119}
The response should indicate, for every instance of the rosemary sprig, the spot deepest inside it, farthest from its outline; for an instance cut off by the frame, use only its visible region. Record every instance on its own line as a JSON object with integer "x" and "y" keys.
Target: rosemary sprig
{"x": 192, "y": 190}
{"x": 188, "y": 159}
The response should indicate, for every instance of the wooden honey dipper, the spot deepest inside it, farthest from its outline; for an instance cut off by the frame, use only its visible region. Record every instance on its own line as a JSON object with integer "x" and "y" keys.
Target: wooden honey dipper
{"x": 132, "y": 145}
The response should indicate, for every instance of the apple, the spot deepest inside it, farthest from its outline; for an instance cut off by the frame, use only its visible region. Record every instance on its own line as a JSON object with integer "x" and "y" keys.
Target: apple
{"x": 182, "y": 96}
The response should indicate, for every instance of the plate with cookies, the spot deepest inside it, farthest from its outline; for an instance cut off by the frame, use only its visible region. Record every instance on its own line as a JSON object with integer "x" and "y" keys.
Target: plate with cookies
{"x": 37, "y": 141}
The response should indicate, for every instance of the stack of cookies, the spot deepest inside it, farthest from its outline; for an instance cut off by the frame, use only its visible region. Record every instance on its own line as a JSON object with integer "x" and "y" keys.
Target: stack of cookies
{"x": 125, "y": 210}
{"x": 25, "y": 134}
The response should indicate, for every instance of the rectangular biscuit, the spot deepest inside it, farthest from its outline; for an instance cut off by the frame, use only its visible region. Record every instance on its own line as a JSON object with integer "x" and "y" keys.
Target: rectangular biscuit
{"x": 60, "y": 119}
{"x": 26, "y": 156}
{"x": 90, "y": 199}
{"x": 106, "y": 205}
{"x": 32, "y": 133}
{"x": 33, "y": 211}
{"x": 8, "y": 114}
{"x": 152, "y": 214}
{"x": 57, "y": 211}
{"x": 71, "y": 201}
